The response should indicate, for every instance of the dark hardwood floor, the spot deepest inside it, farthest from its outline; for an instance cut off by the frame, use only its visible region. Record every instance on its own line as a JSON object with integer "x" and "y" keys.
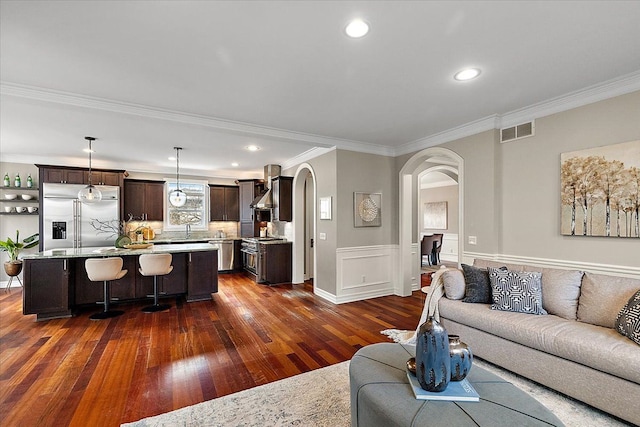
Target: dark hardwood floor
{"x": 103, "y": 373}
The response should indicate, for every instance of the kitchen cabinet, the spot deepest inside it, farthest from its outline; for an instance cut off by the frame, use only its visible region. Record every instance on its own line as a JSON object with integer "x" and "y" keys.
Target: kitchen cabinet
{"x": 276, "y": 262}
{"x": 144, "y": 199}
{"x": 46, "y": 290}
{"x": 104, "y": 178}
{"x": 224, "y": 203}
{"x": 62, "y": 175}
{"x": 74, "y": 175}
{"x": 249, "y": 190}
{"x": 282, "y": 191}
{"x": 202, "y": 275}
{"x": 89, "y": 292}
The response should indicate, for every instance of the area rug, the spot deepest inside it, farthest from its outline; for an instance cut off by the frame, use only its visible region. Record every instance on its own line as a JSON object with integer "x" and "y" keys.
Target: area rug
{"x": 317, "y": 398}
{"x": 320, "y": 398}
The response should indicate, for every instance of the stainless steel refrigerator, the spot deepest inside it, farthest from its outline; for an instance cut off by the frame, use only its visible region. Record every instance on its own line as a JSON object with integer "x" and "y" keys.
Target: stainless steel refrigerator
{"x": 67, "y": 222}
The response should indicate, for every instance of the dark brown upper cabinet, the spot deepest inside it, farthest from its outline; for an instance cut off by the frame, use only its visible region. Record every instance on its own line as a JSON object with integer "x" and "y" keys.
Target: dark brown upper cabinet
{"x": 144, "y": 199}
{"x": 224, "y": 203}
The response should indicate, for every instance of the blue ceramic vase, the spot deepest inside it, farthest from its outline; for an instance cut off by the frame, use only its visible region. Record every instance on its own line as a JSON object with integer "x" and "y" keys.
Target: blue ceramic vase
{"x": 433, "y": 360}
{"x": 461, "y": 358}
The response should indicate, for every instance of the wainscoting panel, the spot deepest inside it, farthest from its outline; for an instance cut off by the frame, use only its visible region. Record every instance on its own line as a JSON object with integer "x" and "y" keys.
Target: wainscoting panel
{"x": 365, "y": 272}
{"x": 449, "y": 251}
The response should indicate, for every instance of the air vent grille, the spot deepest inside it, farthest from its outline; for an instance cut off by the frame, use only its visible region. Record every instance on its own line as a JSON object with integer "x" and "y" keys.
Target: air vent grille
{"x": 517, "y": 132}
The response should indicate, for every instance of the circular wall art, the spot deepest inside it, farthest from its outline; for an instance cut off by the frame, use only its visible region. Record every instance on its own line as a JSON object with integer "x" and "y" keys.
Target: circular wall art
{"x": 367, "y": 209}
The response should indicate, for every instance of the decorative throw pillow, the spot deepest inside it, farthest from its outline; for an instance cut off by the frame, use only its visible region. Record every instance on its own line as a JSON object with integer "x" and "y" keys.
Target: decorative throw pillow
{"x": 516, "y": 291}
{"x": 453, "y": 281}
{"x": 477, "y": 285}
{"x": 628, "y": 320}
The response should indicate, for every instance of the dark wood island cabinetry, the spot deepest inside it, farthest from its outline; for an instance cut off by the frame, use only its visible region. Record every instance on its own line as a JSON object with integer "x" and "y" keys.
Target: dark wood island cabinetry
{"x": 56, "y": 282}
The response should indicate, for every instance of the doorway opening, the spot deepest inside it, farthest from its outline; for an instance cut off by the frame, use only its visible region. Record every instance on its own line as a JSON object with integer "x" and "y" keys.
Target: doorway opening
{"x": 304, "y": 225}
{"x": 430, "y": 159}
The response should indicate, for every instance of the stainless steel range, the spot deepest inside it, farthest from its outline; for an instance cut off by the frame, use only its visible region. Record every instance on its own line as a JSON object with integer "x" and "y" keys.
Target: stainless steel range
{"x": 253, "y": 256}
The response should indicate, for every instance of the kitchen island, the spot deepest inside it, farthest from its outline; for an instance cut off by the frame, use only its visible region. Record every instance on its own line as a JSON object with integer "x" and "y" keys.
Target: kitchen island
{"x": 56, "y": 282}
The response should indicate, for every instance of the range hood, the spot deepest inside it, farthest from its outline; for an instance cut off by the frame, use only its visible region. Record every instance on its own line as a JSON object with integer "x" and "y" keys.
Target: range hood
{"x": 265, "y": 200}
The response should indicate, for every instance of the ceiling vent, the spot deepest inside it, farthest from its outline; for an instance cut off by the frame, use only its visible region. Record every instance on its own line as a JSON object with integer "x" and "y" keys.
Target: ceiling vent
{"x": 517, "y": 132}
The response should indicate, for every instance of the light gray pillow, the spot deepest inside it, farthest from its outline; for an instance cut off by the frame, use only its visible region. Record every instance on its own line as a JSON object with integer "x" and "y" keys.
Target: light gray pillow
{"x": 560, "y": 291}
{"x": 454, "y": 285}
{"x": 602, "y": 297}
{"x": 516, "y": 291}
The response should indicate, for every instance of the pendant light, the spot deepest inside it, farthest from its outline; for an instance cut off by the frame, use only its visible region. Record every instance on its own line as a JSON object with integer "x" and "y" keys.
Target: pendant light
{"x": 89, "y": 194}
{"x": 177, "y": 197}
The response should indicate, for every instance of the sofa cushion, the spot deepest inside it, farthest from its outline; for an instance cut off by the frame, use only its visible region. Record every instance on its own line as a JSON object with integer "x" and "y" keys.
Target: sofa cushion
{"x": 602, "y": 297}
{"x": 560, "y": 290}
{"x": 477, "y": 285}
{"x": 628, "y": 320}
{"x": 516, "y": 291}
{"x": 454, "y": 286}
{"x": 583, "y": 343}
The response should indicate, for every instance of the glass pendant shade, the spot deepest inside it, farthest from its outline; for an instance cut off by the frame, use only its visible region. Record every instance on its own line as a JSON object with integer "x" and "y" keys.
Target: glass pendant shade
{"x": 177, "y": 197}
{"x": 89, "y": 194}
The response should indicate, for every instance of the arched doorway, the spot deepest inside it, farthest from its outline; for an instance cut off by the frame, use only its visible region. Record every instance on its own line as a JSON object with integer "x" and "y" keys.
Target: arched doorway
{"x": 304, "y": 224}
{"x": 435, "y": 157}
{"x": 436, "y": 184}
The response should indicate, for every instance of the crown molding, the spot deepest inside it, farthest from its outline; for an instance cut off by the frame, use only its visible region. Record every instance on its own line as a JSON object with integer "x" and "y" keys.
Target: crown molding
{"x": 467, "y": 129}
{"x": 83, "y": 101}
{"x": 609, "y": 89}
{"x": 601, "y": 91}
{"x": 306, "y": 156}
{"x": 598, "y": 92}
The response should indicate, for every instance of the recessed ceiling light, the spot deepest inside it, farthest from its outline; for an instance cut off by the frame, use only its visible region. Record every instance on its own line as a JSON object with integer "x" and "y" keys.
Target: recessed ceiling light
{"x": 252, "y": 148}
{"x": 357, "y": 28}
{"x": 235, "y": 164}
{"x": 173, "y": 159}
{"x": 467, "y": 74}
{"x": 86, "y": 150}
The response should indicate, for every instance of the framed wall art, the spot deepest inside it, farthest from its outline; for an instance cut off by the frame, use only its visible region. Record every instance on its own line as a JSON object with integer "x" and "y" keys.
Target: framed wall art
{"x": 367, "y": 209}
{"x": 600, "y": 191}
{"x": 435, "y": 216}
{"x": 325, "y": 208}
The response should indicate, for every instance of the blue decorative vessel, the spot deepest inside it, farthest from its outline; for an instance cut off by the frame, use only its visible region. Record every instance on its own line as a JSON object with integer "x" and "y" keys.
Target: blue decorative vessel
{"x": 433, "y": 359}
{"x": 461, "y": 358}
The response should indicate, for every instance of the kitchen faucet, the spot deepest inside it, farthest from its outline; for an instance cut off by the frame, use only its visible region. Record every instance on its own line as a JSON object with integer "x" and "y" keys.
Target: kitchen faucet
{"x": 188, "y": 232}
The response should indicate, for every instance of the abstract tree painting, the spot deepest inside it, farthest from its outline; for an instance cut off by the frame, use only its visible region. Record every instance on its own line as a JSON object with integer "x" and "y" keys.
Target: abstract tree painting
{"x": 600, "y": 191}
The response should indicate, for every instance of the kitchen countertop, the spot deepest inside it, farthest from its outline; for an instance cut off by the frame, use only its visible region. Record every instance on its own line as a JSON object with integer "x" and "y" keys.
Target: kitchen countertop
{"x": 113, "y": 251}
{"x": 274, "y": 242}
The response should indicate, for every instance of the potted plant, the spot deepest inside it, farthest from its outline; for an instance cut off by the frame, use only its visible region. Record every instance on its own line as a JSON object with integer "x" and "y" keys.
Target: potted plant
{"x": 13, "y": 267}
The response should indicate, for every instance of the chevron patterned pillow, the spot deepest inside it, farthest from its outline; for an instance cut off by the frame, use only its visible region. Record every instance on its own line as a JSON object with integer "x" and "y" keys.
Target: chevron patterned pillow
{"x": 628, "y": 321}
{"x": 516, "y": 291}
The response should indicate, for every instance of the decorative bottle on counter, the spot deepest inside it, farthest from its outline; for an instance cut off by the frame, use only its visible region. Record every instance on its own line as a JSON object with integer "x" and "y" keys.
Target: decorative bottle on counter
{"x": 29, "y": 181}
{"x": 7, "y": 181}
{"x": 17, "y": 182}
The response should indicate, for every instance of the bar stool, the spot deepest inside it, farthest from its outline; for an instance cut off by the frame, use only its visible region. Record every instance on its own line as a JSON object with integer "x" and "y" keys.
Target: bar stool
{"x": 155, "y": 265}
{"x": 105, "y": 269}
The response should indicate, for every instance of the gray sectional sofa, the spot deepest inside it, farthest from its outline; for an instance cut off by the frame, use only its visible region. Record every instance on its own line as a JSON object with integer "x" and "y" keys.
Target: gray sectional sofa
{"x": 574, "y": 349}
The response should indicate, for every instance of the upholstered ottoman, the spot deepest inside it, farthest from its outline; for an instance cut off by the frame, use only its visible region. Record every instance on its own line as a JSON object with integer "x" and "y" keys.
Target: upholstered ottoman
{"x": 381, "y": 396}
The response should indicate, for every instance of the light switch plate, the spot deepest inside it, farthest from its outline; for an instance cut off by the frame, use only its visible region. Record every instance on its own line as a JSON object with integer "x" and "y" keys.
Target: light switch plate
{"x": 323, "y": 236}
{"x": 473, "y": 240}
